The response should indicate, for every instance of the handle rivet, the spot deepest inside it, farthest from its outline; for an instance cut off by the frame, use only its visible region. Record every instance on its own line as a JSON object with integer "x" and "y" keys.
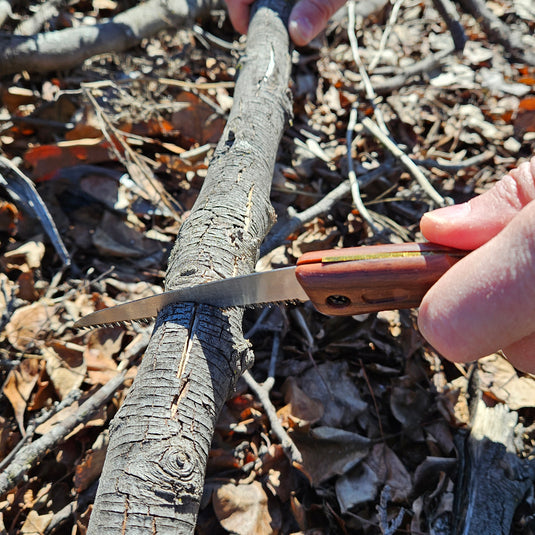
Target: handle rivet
{"x": 338, "y": 301}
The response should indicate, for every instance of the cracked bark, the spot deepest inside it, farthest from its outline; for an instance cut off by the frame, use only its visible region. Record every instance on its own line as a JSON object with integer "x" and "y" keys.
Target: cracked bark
{"x": 153, "y": 476}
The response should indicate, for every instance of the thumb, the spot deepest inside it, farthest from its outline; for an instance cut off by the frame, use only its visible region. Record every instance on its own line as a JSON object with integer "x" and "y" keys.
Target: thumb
{"x": 469, "y": 225}
{"x": 486, "y": 301}
{"x": 309, "y": 17}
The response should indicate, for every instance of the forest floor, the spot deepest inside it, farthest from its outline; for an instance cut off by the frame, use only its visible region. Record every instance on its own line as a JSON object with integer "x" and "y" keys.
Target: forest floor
{"x": 117, "y": 149}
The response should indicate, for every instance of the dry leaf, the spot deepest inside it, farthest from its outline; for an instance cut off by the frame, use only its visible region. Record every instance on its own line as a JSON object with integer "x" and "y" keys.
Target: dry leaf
{"x": 36, "y": 524}
{"x": 244, "y": 510}
{"x": 497, "y": 376}
{"x": 65, "y": 367}
{"x": 358, "y": 486}
{"x": 46, "y": 159}
{"x": 9, "y": 217}
{"x": 390, "y": 471}
{"x": 102, "y": 345}
{"x": 19, "y": 385}
{"x": 90, "y": 468}
{"x": 197, "y": 121}
{"x": 331, "y": 385}
{"x": 29, "y": 325}
{"x": 117, "y": 237}
{"x": 328, "y": 452}
{"x": 300, "y": 408}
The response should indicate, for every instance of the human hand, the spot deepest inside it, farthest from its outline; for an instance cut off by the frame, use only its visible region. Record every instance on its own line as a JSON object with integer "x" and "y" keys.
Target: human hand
{"x": 307, "y": 19}
{"x": 486, "y": 301}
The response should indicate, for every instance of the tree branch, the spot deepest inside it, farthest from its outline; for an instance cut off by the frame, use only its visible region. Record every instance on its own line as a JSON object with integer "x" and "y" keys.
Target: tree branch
{"x": 154, "y": 470}
{"x": 66, "y": 48}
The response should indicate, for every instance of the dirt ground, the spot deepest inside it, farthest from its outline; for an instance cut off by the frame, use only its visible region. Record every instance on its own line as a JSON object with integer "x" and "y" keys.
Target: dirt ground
{"x": 101, "y": 163}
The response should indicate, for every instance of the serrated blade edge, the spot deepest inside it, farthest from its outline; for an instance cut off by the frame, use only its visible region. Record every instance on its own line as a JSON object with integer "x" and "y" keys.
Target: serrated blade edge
{"x": 253, "y": 289}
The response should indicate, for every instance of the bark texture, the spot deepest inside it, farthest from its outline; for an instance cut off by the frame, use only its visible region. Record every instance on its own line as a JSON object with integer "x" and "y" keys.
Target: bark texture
{"x": 69, "y": 47}
{"x": 153, "y": 476}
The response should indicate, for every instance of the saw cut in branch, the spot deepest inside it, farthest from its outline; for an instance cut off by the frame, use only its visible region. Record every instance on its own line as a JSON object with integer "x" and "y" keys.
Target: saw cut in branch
{"x": 153, "y": 476}
{"x": 69, "y": 47}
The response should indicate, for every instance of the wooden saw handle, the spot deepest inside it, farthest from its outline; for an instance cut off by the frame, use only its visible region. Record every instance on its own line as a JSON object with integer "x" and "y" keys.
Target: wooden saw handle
{"x": 360, "y": 280}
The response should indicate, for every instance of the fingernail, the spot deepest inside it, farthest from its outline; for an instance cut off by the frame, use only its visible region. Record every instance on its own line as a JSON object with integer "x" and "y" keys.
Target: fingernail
{"x": 301, "y": 30}
{"x": 448, "y": 213}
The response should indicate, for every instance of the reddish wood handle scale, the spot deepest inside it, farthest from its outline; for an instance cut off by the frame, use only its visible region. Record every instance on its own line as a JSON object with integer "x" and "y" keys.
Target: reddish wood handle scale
{"x": 359, "y": 280}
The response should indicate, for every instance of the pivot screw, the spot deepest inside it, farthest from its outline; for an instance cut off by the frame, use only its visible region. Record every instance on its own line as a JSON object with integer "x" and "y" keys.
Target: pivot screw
{"x": 338, "y": 301}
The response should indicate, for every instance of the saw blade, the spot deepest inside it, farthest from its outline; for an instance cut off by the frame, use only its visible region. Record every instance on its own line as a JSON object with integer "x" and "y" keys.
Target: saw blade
{"x": 254, "y": 289}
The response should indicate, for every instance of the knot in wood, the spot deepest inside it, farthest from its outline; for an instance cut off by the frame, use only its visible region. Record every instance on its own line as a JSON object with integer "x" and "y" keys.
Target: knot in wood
{"x": 180, "y": 464}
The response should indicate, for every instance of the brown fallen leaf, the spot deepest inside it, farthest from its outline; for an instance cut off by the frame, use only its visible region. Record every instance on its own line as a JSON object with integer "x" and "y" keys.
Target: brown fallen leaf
{"x": 19, "y": 385}
{"x": 328, "y": 451}
{"x": 390, "y": 471}
{"x": 331, "y": 385}
{"x": 30, "y": 324}
{"x": 65, "y": 366}
{"x": 116, "y": 237}
{"x": 102, "y": 345}
{"x": 244, "y": 509}
{"x": 36, "y": 524}
{"x": 47, "y": 159}
{"x": 300, "y": 408}
{"x": 90, "y": 467}
{"x": 197, "y": 120}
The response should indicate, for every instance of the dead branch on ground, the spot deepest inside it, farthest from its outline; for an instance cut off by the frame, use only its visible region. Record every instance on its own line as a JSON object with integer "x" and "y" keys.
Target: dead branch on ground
{"x": 66, "y": 48}
{"x": 154, "y": 471}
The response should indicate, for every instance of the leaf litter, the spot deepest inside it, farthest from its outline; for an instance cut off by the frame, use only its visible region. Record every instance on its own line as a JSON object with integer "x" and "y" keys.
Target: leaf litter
{"x": 117, "y": 151}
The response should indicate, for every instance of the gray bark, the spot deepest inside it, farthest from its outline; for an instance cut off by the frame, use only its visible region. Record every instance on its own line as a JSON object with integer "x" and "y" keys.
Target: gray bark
{"x": 69, "y": 47}
{"x": 152, "y": 479}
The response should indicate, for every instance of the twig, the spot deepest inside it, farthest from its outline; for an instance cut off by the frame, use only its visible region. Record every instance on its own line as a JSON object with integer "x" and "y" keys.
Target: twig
{"x": 431, "y": 192}
{"x": 380, "y": 130}
{"x": 21, "y": 189}
{"x": 221, "y": 43}
{"x": 388, "y": 527}
{"x": 144, "y": 178}
{"x": 453, "y": 167}
{"x": 498, "y": 31}
{"x": 258, "y": 323}
{"x": 32, "y": 426}
{"x": 297, "y": 220}
{"x": 68, "y": 47}
{"x": 5, "y": 10}
{"x": 370, "y": 92}
{"x": 262, "y": 393}
{"x": 353, "y": 181}
{"x": 32, "y": 453}
{"x": 386, "y": 34}
{"x": 44, "y": 13}
{"x": 447, "y": 11}
{"x": 425, "y": 65}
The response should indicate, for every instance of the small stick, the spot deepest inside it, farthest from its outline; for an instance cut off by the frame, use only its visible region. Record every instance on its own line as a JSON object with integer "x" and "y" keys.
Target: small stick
{"x": 431, "y": 192}
{"x": 262, "y": 393}
{"x": 498, "y": 31}
{"x": 386, "y": 34}
{"x": 425, "y": 65}
{"x": 355, "y": 190}
{"x": 32, "y": 453}
{"x": 448, "y": 12}
{"x": 44, "y": 13}
{"x": 325, "y": 205}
